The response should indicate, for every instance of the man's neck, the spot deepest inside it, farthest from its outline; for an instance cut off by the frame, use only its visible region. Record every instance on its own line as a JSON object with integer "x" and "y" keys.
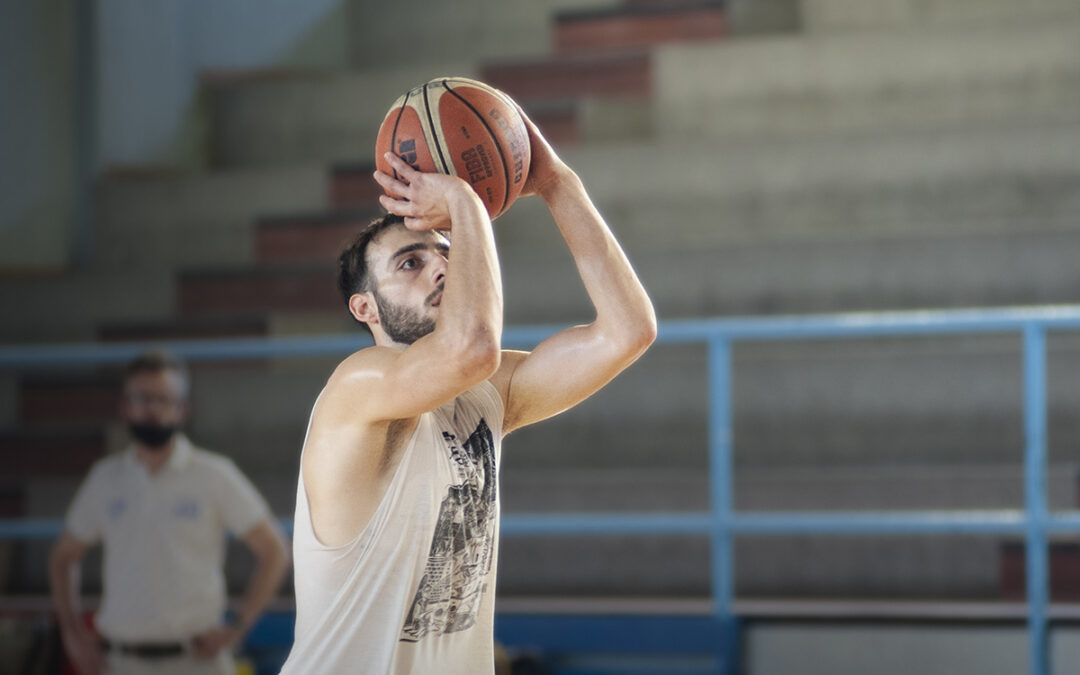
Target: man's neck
{"x": 154, "y": 459}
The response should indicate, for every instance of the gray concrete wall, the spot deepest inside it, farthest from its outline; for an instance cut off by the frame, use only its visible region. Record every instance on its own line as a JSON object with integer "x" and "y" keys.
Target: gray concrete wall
{"x": 37, "y": 134}
{"x": 432, "y": 31}
{"x": 887, "y": 15}
{"x": 149, "y": 56}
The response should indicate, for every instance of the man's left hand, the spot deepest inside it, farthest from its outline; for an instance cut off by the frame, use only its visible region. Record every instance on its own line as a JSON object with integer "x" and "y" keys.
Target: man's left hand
{"x": 209, "y": 644}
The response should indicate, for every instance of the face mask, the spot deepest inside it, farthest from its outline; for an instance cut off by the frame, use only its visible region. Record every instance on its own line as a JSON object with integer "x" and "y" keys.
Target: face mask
{"x": 152, "y": 436}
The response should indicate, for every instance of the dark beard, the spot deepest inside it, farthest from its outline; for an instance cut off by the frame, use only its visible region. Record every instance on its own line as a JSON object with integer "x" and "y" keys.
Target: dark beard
{"x": 403, "y": 325}
{"x": 152, "y": 436}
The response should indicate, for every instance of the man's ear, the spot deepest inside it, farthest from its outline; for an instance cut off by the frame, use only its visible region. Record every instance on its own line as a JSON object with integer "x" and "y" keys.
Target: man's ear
{"x": 185, "y": 412}
{"x": 362, "y": 307}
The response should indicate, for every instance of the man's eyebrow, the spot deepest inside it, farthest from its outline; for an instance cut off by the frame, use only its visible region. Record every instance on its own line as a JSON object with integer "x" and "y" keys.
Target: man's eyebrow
{"x": 408, "y": 248}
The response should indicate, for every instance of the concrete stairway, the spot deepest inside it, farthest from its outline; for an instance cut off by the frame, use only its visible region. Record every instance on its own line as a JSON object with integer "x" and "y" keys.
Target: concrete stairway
{"x": 927, "y": 157}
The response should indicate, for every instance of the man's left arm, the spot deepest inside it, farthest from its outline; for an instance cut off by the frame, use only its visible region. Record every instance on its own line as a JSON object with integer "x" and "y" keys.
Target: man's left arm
{"x": 570, "y": 366}
{"x": 271, "y": 563}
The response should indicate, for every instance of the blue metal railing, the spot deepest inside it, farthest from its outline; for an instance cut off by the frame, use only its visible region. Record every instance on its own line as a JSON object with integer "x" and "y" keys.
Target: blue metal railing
{"x": 722, "y": 523}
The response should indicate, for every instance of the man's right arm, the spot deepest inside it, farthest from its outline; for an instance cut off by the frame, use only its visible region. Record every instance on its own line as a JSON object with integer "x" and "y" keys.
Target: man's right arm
{"x": 80, "y": 643}
{"x": 358, "y": 426}
{"x": 465, "y": 347}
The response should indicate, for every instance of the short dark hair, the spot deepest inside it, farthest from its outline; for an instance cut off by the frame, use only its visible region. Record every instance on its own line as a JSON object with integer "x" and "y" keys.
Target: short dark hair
{"x": 353, "y": 274}
{"x": 158, "y": 361}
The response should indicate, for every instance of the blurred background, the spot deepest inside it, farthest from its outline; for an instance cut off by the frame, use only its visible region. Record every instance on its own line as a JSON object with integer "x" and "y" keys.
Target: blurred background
{"x": 188, "y": 170}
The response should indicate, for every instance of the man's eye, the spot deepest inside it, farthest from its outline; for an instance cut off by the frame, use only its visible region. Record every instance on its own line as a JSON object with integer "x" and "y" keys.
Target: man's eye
{"x": 409, "y": 263}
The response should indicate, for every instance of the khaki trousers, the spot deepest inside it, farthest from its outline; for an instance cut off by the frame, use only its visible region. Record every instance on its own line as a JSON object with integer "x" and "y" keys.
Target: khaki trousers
{"x": 123, "y": 664}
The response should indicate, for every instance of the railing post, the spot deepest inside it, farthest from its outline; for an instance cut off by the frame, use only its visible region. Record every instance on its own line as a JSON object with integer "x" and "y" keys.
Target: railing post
{"x": 1035, "y": 496}
{"x": 721, "y": 500}
{"x": 721, "y": 465}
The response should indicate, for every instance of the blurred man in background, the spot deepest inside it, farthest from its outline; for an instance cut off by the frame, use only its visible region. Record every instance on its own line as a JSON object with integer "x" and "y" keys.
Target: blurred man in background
{"x": 161, "y": 509}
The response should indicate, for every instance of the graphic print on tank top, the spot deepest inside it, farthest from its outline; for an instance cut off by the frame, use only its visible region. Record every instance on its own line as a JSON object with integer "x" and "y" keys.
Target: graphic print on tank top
{"x": 449, "y": 595}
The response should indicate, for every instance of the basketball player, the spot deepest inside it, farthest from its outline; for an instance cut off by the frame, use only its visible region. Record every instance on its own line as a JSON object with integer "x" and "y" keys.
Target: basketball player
{"x": 397, "y": 516}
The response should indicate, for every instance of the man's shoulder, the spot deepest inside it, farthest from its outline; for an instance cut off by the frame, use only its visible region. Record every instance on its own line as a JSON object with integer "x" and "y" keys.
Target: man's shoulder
{"x": 351, "y": 378}
{"x": 212, "y": 460}
{"x": 109, "y": 466}
{"x": 106, "y": 475}
{"x": 361, "y": 361}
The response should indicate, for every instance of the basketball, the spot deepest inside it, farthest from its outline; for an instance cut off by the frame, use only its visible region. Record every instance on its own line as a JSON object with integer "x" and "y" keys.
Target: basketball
{"x": 464, "y": 128}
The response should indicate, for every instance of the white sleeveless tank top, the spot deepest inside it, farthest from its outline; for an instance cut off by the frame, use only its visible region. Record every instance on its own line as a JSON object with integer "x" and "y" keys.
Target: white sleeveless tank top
{"x": 415, "y": 591}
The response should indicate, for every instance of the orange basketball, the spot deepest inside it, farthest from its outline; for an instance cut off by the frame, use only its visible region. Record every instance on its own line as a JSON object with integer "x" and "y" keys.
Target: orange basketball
{"x": 460, "y": 127}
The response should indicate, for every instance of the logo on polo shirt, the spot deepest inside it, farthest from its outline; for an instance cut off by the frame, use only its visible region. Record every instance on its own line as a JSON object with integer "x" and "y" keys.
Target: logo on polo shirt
{"x": 116, "y": 508}
{"x": 186, "y": 508}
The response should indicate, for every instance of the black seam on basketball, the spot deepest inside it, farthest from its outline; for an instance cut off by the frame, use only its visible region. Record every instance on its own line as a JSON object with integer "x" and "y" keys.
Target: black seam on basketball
{"x": 494, "y": 139}
{"x": 393, "y": 134}
{"x": 431, "y": 125}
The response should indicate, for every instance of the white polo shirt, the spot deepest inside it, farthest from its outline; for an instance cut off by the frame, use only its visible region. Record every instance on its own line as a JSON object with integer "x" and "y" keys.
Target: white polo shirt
{"x": 164, "y": 539}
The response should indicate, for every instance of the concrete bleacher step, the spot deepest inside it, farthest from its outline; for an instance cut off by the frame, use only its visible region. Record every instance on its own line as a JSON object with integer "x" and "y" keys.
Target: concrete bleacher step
{"x": 258, "y": 416}
{"x": 308, "y": 237}
{"x": 12, "y": 499}
{"x": 184, "y": 328}
{"x": 50, "y": 452}
{"x": 870, "y": 486}
{"x": 862, "y": 15}
{"x": 863, "y": 82}
{"x": 619, "y": 74}
{"x": 352, "y": 186}
{"x": 638, "y": 25}
{"x": 209, "y": 217}
{"x": 257, "y": 290}
{"x": 327, "y": 117}
{"x": 65, "y": 398}
{"x": 87, "y": 299}
{"x": 1064, "y": 562}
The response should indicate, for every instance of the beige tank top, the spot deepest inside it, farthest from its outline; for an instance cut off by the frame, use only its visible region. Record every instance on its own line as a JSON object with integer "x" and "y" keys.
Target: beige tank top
{"x": 415, "y": 591}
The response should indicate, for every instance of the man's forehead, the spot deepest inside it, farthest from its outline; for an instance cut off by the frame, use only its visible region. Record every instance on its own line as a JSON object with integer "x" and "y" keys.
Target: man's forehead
{"x": 164, "y": 379}
{"x": 394, "y": 241}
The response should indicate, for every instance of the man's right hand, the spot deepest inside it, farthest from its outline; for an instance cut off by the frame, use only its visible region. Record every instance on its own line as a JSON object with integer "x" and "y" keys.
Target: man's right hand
{"x": 426, "y": 199}
{"x": 84, "y": 650}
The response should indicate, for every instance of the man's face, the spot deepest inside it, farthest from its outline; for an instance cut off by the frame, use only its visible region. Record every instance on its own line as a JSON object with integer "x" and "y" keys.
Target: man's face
{"x": 408, "y": 269}
{"x": 155, "y": 398}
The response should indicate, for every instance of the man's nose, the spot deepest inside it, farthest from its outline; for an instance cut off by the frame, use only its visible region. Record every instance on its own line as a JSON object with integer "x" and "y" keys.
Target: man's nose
{"x": 439, "y": 269}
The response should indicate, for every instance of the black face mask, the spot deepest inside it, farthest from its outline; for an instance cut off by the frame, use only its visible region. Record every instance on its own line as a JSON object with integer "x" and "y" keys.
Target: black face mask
{"x": 153, "y": 436}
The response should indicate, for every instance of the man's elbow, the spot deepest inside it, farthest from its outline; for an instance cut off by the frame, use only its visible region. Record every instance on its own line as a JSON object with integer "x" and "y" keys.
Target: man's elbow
{"x": 482, "y": 356}
{"x": 639, "y": 337}
{"x": 55, "y": 563}
{"x": 649, "y": 331}
{"x": 475, "y": 353}
{"x": 279, "y": 551}
{"x": 63, "y": 554}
